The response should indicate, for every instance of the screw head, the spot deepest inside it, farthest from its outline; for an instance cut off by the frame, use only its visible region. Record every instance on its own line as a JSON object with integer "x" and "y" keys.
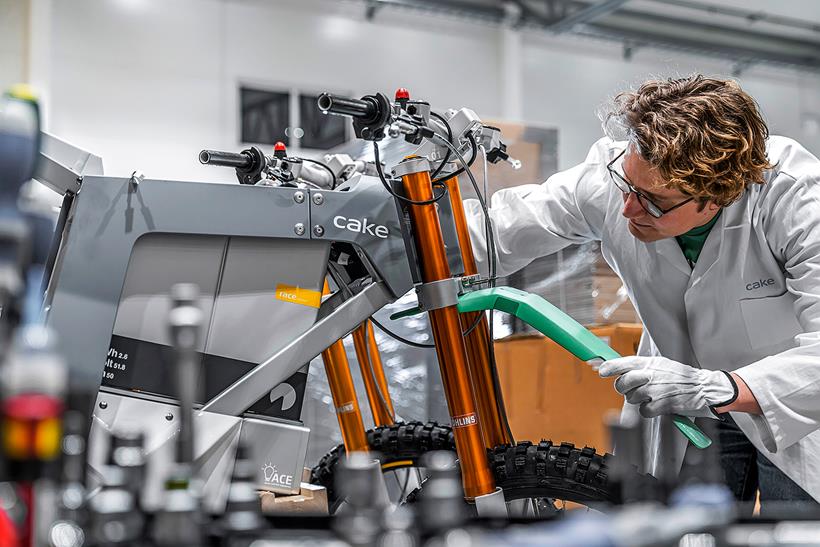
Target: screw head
{"x": 169, "y": 417}
{"x": 299, "y": 229}
{"x": 318, "y": 199}
{"x": 299, "y": 197}
{"x": 103, "y": 405}
{"x": 319, "y": 230}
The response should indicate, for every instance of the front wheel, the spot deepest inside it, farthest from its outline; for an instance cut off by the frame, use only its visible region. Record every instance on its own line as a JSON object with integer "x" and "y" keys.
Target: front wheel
{"x": 556, "y": 471}
{"x": 542, "y": 473}
{"x": 551, "y": 477}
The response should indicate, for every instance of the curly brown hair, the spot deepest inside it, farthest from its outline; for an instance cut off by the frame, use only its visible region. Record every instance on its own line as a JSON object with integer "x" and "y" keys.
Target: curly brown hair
{"x": 705, "y": 136}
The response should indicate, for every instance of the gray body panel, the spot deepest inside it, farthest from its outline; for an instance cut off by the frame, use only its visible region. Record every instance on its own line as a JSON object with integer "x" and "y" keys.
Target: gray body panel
{"x": 108, "y": 217}
{"x": 111, "y": 214}
{"x": 367, "y": 203}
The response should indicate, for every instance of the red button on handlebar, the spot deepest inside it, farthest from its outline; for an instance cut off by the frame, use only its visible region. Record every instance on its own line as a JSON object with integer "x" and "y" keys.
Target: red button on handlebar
{"x": 279, "y": 149}
{"x": 402, "y": 94}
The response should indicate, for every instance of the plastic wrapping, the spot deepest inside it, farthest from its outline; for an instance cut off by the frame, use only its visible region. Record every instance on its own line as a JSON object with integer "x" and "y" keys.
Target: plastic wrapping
{"x": 579, "y": 282}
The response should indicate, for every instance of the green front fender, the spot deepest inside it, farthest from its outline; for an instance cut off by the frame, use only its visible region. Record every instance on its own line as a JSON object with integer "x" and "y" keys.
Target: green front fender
{"x": 563, "y": 329}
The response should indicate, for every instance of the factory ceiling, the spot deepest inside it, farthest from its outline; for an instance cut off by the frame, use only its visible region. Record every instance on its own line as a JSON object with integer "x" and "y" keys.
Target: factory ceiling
{"x": 747, "y": 32}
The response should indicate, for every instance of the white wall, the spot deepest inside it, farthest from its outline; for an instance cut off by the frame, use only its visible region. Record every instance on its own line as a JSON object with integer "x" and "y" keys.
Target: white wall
{"x": 13, "y": 25}
{"x": 569, "y": 79}
{"x": 148, "y": 83}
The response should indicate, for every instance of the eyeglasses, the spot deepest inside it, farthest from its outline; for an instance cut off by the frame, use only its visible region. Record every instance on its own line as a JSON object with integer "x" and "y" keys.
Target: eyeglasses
{"x": 626, "y": 187}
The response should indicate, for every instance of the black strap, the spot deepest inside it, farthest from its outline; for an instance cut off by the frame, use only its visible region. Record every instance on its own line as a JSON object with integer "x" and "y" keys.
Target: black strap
{"x": 731, "y": 400}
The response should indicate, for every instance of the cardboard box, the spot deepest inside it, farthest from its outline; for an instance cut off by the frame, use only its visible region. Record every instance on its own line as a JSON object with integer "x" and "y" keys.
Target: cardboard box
{"x": 549, "y": 394}
{"x": 311, "y": 500}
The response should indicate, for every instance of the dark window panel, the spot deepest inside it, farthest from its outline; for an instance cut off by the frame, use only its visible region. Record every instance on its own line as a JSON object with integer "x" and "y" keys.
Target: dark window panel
{"x": 322, "y": 131}
{"x": 265, "y": 116}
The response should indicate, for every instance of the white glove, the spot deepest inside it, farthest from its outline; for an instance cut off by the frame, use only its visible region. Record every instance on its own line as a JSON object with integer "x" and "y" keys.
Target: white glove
{"x": 663, "y": 386}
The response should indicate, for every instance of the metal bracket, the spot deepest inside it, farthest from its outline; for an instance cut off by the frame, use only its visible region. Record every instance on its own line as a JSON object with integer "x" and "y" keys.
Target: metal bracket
{"x": 410, "y": 166}
{"x": 438, "y": 294}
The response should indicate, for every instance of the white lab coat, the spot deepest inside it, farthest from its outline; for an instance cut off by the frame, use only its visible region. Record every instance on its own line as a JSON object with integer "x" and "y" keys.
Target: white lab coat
{"x": 751, "y": 304}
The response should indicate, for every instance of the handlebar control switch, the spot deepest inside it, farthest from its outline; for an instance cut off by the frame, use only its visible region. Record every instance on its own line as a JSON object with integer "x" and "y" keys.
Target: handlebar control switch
{"x": 253, "y": 172}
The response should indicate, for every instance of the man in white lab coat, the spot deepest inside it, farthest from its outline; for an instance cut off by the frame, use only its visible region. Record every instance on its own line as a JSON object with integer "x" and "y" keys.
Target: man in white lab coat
{"x": 714, "y": 228}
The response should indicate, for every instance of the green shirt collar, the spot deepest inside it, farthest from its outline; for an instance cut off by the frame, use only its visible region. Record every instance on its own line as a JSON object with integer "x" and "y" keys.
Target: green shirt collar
{"x": 691, "y": 243}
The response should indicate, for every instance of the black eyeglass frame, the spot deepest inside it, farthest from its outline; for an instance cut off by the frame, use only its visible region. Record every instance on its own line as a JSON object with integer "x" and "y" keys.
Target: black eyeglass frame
{"x": 647, "y": 204}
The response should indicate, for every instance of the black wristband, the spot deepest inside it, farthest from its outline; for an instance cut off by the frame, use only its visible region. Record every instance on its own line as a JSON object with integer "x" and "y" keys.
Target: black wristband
{"x": 731, "y": 400}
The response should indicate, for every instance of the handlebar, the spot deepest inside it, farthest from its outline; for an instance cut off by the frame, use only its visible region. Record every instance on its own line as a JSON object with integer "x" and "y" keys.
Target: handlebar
{"x": 241, "y": 160}
{"x": 343, "y": 106}
{"x": 371, "y": 114}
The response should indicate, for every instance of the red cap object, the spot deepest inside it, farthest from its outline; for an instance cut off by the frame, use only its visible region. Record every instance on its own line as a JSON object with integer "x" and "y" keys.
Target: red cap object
{"x": 279, "y": 150}
{"x": 402, "y": 94}
{"x": 32, "y": 406}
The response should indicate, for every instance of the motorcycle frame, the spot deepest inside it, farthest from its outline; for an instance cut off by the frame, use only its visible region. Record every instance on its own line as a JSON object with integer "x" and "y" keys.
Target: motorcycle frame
{"x": 108, "y": 215}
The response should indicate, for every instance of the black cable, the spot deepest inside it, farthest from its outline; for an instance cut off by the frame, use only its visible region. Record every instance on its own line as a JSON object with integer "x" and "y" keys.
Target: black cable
{"x": 500, "y": 406}
{"x": 400, "y": 197}
{"x": 473, "y": 326}
{"x": 401, "y": 339}
{"x": 449, "y": 138}
{"x": 461, "y": 169}
{"x": 326, "y": 168}
{"x": 491, "y": 255}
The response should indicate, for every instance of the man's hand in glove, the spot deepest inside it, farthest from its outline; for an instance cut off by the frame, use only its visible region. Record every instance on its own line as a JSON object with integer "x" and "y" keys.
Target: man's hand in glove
{"x": 662, "y": 386}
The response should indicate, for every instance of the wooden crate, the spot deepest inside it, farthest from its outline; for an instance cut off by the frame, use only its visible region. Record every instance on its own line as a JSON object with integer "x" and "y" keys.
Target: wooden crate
{"x": 552, "y": 395}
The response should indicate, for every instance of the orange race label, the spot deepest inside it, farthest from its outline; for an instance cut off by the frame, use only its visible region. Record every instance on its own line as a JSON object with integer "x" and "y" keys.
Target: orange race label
{"x": 298, "y": 295}
{"x": 465, "y": 420}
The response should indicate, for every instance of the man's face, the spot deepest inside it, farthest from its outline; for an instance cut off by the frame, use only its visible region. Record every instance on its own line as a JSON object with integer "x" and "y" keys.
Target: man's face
{"x": 649, "y": 182}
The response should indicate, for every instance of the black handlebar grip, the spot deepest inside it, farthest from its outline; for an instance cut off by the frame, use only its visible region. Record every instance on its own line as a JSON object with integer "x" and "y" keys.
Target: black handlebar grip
{"x": 362, "y": 109}
{"x": 241, "y": 160}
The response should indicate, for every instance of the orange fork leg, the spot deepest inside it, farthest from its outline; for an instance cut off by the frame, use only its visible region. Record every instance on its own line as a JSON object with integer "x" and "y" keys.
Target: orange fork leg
{"x": 375, "y": 383}
{"x": 446, "y": 326}
{"x": 344, "y": 396}
{"x": 478, "y": 342}
{"x": 378, "y": 368}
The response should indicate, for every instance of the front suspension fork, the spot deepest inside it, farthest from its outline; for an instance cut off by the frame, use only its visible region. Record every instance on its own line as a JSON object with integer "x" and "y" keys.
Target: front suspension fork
{"x": 447, "y": 334}
{"x": 343, "y": 392}
{"x": 478, "y": 342}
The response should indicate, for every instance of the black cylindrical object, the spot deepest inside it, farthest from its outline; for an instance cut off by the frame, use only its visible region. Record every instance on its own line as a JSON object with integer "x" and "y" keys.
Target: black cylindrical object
{"x": 626, "y": 437}
{"x": 184, "y": 323}
{"x": 356, "y": 108}
{"x": 241, "y": 160}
